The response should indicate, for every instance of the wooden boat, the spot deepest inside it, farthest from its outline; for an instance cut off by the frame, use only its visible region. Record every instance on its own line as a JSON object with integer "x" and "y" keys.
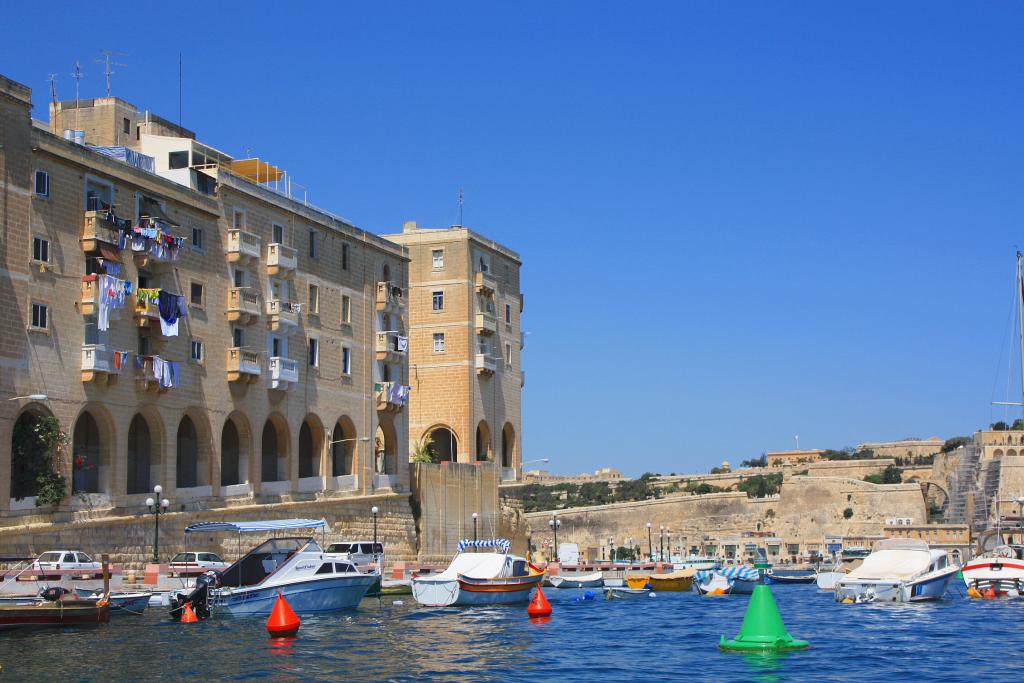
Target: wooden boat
{"x": 62, "y": 612}
{"x": 626, "y": 593}
{"x": 681, "y": 580}
{"x": 772, "y": 576}
{"x": 475, "y": 578}
{"x": 594, "y": 580}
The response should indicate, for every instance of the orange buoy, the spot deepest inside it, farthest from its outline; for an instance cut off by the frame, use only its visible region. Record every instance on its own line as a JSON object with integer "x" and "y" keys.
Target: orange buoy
{"x": 188, "y": 616}
{"x": 283, "y": 622}
{"x": 539, "y": 606}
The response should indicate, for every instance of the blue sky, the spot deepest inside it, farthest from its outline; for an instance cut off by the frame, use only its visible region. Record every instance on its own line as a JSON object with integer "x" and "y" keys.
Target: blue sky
{"x": 739, "y": 222}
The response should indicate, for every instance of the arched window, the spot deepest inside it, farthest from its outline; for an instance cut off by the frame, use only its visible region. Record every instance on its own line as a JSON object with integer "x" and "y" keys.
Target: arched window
{"x": 187, "y": 462}
{"x": 483, "y": 441}
{"x": 139, "y": 456}
{"x": 229, "y": 455}
{"x": 85, "y": 455}
{"x": 270, "y": 452}
{"x": 343, "y": 448}
{"x": 309, "y": 461}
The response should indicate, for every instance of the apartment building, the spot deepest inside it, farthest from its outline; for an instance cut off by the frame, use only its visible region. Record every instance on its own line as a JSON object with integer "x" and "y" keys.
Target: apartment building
{"x": 188, "y": 321}
{"x": 465, "y": 345}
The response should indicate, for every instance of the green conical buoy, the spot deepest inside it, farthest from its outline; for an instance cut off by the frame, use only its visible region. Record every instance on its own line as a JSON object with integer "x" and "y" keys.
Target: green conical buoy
{"x": 762, "y": 628}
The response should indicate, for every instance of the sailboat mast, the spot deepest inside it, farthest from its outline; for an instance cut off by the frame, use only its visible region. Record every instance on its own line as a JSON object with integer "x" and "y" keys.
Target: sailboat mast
{"x": 1020, "y": 322}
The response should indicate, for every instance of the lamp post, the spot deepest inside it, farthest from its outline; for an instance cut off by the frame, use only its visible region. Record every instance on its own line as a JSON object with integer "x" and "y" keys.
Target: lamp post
{"x": 669, "y": 532}
{"x": 629, "y": 544}
{"x": 554, "y": 523}
{"x": 156, "y": 506}
{"x": 650, "y": 544}
{"x": 661, "y": 544}
{"x": 611, "y": 549}
{"x": 374, "y": 510}
{"x": 474, "y": 531}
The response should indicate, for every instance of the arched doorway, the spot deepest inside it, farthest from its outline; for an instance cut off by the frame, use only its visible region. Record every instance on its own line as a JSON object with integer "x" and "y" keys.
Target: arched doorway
{"x": 483, "y": 441}
{"x": 85, "y": 455}
{"x": 35, "y": 436}
{"x": 508, "y": 446}
{"x": 385, "y": 455}
{"x": 139, "y": 456}
{"x": 230, "y": 454}
{"x": 187, "y": 462}
{"x": 275, "y": 451}
{"x": 442, "y": 444}
{"x": 309, "y": 453}
{"x": 343, "y": 448}
{"x": 386, "y": 271}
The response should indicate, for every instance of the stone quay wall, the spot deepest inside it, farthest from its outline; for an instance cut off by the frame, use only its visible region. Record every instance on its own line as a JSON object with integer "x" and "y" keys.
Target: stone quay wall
{"x": 447, "y": 494}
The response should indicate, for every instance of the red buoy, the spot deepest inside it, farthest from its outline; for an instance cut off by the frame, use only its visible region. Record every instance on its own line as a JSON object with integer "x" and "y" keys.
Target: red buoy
{"x": 539, "y": 606}
{"x": 283, "y": 622}
{"x": 188, "y": 616}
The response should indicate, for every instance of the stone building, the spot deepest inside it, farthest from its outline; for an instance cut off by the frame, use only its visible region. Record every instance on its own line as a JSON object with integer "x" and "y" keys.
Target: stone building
{"x": 286, "y": 377}
{"x": 796, "y": 457}
{"x": 907, "y": 449}
{"x": 466, "y": 375}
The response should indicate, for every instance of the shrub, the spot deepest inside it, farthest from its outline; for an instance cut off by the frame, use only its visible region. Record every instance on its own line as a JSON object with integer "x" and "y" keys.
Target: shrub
{"x": 847, "y": 513}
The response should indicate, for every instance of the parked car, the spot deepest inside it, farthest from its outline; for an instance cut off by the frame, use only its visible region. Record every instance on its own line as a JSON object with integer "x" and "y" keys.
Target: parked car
{"x": 360, "y": 552}
{"x": 186, "y": 561}
{"x": 65, "y": 559}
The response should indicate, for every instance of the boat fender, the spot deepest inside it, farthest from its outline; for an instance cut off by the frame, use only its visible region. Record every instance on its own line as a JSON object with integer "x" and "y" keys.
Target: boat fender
{"x": 846, "y": 601}
{"x": 588, "y": 595}
{"x": 652, "y": 594}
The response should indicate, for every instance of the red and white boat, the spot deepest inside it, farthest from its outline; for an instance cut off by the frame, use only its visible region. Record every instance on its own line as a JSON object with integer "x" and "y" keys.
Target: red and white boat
{"x": 475, "y": 578}
{"x": 996, "y": 573}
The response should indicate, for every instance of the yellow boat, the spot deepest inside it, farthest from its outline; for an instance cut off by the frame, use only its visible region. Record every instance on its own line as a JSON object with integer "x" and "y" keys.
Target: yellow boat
{"x": 676, "y": 581}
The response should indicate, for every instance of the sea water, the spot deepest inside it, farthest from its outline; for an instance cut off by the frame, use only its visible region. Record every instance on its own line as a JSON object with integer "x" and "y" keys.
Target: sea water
{"x": 671, "y": 637}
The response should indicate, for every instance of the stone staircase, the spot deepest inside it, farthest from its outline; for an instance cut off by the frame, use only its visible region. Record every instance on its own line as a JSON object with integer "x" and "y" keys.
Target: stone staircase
{"x": 963, "y": 485}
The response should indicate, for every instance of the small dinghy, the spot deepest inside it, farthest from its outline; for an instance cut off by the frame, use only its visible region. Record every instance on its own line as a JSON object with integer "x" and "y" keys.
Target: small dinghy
{"x": 120, "y": 603}
{"x": 771, "y": 576}
{"x": 594, "y": 580}
{"x": 627, "y": 593}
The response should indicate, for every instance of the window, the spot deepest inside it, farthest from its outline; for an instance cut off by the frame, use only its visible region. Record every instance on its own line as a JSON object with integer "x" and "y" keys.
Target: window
{"x": 236, "y": 337}
{"x": 508, "y": 354}
{"x": 42, "y": 183}
{"x": 437, "y": 256}
{"x": 197, "y": 351}
{"x": 238, "y": 219}
{"x": 40, "y": 250}
{"x": 239, "y": 276}
{"x": 278, "y": 231}
{"x": 438, "y": 300}
{"x": 197, "y": 238}
{"x": 40, "y": 316}
{"x": 314, "y": 352}
{"x": 439, "y": 342}
{"x": 127, "y": 126}
{"x": 143, "y": 345}
{"x": 346, "y": 360}
{"x": 346, "y": 309}
{"x": 98, "y": 195}
{"x": 177, "y": 160}
{"x": 197, "y": 294}
{"x": 312, "y": 244}
{"x": 344, "y": 257}
{"x": 314, "y": 300}
{"x": 508, "y": 314}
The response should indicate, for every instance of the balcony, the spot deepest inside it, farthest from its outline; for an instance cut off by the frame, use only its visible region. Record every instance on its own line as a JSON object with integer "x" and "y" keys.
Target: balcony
{"x": 146, "y": 377}
{"x": 284, "y": 373}
{"x": 90, "y": 301}
{"x": 281, "y": 315}
{"x": 391, "y": 396}
{"x": 281, "y": 260}
{"x": 386, "y": 481}
{"x": 97, "y": 230}
{"x": 390, "y": 297}
{"x": 391, "y": 347}
{"x": 486, "y": 323}
{"x": 243, "y": 305}
{"x": 243, "y": 365}
{"x": 485, "y": 283}
{"x": 485, "y": 364}
{"x": 99, "y": 364}
{"x": 146, "y": 313}
{"x": 243, "y": 247}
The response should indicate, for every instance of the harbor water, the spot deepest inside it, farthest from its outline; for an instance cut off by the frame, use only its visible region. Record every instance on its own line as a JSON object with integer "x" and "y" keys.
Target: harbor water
{"x": 670, "y": 637}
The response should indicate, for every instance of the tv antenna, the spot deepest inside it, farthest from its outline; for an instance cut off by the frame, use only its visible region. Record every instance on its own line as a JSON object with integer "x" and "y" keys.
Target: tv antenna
{"x": 52, "y": 78}
{"x": 108, "y": 63}
{"x": 462, "y": 202}
{"x": 77, "y": 75}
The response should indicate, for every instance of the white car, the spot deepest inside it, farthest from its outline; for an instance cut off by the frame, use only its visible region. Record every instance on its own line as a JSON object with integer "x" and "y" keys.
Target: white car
{"x": 185, "y": 561}
{"x": 65, "y": 559}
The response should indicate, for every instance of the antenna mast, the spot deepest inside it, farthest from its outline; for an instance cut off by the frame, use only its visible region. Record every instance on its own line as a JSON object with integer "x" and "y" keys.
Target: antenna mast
{"x": 77, "y": 75}
{"x": 108, "y": 64}
{"x": 462, "y": 202}
{"x": 1020, "y": 320}
{"x": 53, "y": 87}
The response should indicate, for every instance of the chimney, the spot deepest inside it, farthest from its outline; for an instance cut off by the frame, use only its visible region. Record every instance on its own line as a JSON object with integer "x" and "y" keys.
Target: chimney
{"x": 409, "y": 226}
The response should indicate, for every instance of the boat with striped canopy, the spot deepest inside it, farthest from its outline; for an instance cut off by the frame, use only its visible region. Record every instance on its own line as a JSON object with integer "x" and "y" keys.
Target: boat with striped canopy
{"x": 479, "y": 578}
{"x": 741, "y": 579}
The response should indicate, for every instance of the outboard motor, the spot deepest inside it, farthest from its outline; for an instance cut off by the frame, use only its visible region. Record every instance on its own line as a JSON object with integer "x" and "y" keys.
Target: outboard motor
{"x": 53, "y": 593}
{"x": 199, "y": 597}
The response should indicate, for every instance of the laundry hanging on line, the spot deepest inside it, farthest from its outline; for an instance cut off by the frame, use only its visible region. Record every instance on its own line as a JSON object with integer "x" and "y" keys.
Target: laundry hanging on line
{"x": 171, "y": 307}
{"x": 113, "y": 293}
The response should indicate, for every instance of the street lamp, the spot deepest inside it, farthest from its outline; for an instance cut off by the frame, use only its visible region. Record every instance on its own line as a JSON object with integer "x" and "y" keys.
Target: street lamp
{"x": 474, "y": 531}
{"x": 661, "y": 544}
{"x": 669, "y": 532}
{"x": 629, "y": 544}
{"x": 374, "y": 510}
{"x": 156, "y": 506}
{"x": 554, "y": 523}
{"x": 611, "y": 549}
{"x": 650, "y": 544}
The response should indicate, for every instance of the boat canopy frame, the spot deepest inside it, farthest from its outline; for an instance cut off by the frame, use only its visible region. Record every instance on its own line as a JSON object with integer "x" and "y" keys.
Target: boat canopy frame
{"x": 264, "y": 525}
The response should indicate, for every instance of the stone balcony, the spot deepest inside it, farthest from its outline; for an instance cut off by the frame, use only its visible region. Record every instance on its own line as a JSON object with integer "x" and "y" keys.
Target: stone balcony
{"x": 243, "y": 247}
{"x": 390, "y": 297}
{"x": 391, "y": 347}
{"x": 146, "y": 378}
{"x": 281, "y": 315}
{"x": 97, "y": 230}
{"x": 485, "y": 364}
{"x": 90, "y": 299}
{"x": 391, "y": 397}
{"x": 284, "y": 373}
{"x": 485, "y": 283}
{"x": 281, "y": 260}
{"x": 243, "y": 305}
{"x": 98, "y": 364}
{"x": 146, "y": 313}
{"x": 486, "y": 323}
{"x": 243, "y": 365}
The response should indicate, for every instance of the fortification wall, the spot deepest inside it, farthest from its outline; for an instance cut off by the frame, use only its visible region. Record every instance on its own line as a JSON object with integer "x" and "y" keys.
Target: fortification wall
{"x": 854, "y": 469}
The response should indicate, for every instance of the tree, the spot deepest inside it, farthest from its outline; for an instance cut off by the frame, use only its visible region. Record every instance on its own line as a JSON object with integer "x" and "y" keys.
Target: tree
{"x": 423, "y": 451}
{"x": 847, "y": 513}
{"x": 890, "y": 475}
{"x": 999, "y": 426}
{"x": 756, "y": 462}
{"x": 1018, "y": 424}
{"x": 761, "y": 485}
{"x": 37, "y": 450}
{"x": 954, "y": 443}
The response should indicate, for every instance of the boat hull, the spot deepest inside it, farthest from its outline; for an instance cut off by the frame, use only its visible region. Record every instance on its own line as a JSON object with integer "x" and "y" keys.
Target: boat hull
{"x": 784, "y": 579}
{"x": 626, "y": 593}
{"x": 66, "y": 613}
{"x": 928, "y": 587}
{"x": 582, "y": 582}
{"x": 132, "y": 603}
{"x": 995, "y": 577}
{"x": 465, "y": 592}
{"x": 309, "y": 597}
{"x": 827, "y": 580}
{"x": 672, "y": 585}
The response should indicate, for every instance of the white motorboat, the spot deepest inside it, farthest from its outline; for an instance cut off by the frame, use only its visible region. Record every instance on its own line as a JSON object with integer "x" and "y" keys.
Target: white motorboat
{"x": 827, "y": 580}
{"x": 700, "y": 563}
{"x": 475, "y": 578}
{"x": 310, "y": 580}
{"x": 594, "y": 580}
{"x": 898, "y": 570}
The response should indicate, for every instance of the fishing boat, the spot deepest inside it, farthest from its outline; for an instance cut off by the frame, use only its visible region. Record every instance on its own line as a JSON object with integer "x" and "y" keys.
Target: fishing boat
{"x": 594, "y": 580}
{"x": 311, "y": 580}
{"x": 676, "y": 581}
{"x": 784, "y": 577}
{"x": 64, "y": 611}
{"x": 479, "y": 578}
{"x": 127, "y": 602}
{"x": 740, "y": 579}
{"x": 898, "y": 570}
{"x": 997, "y": 571}
{"x": 611, "y": 593}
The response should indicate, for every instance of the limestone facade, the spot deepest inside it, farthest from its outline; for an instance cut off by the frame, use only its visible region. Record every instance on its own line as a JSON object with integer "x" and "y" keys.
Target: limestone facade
{"x": 289, "y": 353}
{"x": 905, "y": 448}
{"x": 465, "y": 345}
{"x": 792, "y": 458}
